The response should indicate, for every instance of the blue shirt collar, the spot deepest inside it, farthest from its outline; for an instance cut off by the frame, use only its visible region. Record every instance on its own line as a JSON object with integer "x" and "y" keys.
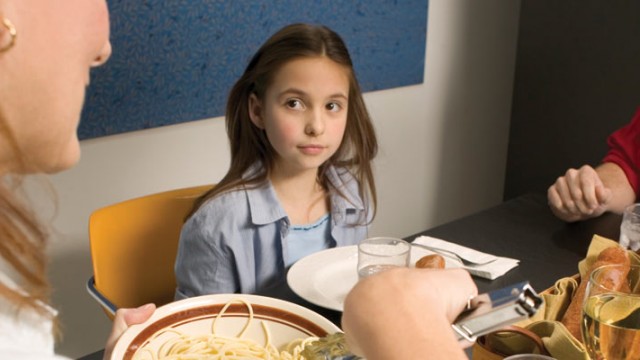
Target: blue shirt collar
{"x": 265, "y": 207}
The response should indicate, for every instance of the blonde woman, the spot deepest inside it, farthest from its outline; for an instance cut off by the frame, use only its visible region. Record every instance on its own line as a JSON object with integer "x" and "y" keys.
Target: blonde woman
{"x": 46, "y": 50}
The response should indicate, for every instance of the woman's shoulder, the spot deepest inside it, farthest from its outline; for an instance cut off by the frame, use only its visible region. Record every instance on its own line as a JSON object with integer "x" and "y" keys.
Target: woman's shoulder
{"x": 26, "y": 332}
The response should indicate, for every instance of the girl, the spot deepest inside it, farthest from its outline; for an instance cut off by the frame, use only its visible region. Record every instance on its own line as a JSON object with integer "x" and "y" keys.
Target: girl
{"x": 300, "y": 178}
{"x": 46, "y": 51}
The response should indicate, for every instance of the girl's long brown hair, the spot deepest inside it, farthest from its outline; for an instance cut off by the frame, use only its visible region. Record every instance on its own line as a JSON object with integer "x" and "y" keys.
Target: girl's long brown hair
{"x": 249, "y": 144}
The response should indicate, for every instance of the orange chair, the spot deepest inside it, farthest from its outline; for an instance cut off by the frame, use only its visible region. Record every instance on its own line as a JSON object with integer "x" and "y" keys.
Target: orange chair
{"x": 133, "y": 248}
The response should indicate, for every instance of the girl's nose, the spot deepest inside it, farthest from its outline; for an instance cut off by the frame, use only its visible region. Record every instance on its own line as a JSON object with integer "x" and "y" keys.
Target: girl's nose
{"x": 315, "y": 124}
{"x": 103, "y": 56}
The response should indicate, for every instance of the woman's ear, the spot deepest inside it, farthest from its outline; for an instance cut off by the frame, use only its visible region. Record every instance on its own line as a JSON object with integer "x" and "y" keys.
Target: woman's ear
{"x": 255, "y": 111}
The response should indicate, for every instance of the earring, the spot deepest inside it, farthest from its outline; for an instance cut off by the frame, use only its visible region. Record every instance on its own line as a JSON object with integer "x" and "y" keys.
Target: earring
{"x": 12, "y": 32}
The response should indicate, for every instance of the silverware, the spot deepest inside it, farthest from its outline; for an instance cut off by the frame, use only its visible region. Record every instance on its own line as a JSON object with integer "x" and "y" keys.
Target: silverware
{"x": 454, "y": 256}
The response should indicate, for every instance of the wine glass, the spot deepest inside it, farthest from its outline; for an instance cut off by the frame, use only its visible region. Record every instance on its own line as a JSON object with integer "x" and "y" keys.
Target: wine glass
{"x": 611, "y": 313}
{"x": 630, "y": 227}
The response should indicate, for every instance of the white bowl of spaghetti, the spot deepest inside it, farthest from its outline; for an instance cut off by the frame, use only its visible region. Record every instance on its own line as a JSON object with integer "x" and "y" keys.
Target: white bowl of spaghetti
{"x": 223, "y": 326}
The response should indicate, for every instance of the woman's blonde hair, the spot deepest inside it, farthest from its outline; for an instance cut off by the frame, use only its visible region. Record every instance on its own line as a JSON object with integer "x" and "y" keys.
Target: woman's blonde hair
{"x": 249, "y": 144}
{"x": 23, "y": 239}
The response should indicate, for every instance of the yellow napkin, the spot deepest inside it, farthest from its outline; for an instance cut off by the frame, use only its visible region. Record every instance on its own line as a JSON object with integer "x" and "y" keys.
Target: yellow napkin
{"x": 546, "y": 322}
{"x": 599, "y": 243}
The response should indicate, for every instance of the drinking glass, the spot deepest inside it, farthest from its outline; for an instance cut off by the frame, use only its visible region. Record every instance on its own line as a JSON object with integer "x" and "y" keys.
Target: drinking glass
{"x": 630, "y": 228}
{"x": 611, "y": 313}
{"x": 381, "y": 253}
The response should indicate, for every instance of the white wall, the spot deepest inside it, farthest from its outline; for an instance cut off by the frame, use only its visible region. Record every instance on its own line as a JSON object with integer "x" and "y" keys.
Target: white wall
{"x": 443, "y": 153}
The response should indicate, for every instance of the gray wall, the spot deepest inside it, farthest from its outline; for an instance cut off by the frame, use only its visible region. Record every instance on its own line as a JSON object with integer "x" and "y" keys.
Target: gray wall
{"x": 577, "y": 79}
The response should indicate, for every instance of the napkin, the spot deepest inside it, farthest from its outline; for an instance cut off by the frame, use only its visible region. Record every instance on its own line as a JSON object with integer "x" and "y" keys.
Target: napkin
{"x": 493, "y": 270}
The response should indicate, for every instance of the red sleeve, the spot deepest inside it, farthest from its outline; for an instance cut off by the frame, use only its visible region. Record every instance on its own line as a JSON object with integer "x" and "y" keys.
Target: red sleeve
{"x": 624, "y": 150}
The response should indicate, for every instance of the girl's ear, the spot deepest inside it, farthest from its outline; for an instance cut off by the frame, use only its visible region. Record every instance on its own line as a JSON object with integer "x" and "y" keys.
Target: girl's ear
{"x": 255, "y": 111}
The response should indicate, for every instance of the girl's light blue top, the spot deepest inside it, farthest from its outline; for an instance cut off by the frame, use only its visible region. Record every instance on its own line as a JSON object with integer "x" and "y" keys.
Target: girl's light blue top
{"x": 237, "y": 241}
{"x": 304, "y": 240}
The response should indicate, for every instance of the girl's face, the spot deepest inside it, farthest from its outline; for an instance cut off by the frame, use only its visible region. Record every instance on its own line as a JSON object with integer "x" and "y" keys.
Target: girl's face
{"x": 304, "y": 112}
{"x": 44, "y": 77}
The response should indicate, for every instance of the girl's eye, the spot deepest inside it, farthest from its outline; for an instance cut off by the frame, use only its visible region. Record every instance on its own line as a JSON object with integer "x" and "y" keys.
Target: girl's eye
{"x": 333, "y": 107}
{"x": 294, "y": 104}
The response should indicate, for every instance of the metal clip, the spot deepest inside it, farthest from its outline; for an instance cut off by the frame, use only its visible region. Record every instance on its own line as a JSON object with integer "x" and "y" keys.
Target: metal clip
{"x": 496, "y": 309}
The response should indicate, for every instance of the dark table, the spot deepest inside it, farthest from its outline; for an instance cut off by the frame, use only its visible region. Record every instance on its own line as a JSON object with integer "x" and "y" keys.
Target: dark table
{"x": 522, "y": 228}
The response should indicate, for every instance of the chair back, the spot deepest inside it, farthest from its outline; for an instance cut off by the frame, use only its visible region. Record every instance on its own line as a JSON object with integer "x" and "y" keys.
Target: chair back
{"x": 134, "y": 245}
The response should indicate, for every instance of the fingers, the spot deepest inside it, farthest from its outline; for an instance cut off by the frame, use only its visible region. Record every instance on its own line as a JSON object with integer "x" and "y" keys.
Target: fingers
{"x": 455, "y": 298}
{"x": 123, "y": 319}
{"x": 138, "y": 315}
{"x": 452, "y": 289}
{"x": 580, "y": 189}
{"x": 579, "y": 194}
{"x": 603, "y": 194}
{"x": 561, "y": 204}
{"x": 447, "y": 291}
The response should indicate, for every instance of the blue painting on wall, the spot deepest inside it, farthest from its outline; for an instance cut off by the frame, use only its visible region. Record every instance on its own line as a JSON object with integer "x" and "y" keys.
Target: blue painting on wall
{"x": 175, "y": 61}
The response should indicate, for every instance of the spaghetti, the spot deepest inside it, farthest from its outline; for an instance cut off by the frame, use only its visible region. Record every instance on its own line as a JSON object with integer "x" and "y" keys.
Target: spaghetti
{"x": 213, "y": 346}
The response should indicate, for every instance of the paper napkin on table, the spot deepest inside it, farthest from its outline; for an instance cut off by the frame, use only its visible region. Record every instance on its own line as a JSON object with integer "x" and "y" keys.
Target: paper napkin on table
{"x": 493, "y": 270}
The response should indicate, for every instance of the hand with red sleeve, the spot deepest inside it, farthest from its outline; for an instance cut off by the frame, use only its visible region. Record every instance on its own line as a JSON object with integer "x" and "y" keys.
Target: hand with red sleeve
{"x": 587, "y": 192}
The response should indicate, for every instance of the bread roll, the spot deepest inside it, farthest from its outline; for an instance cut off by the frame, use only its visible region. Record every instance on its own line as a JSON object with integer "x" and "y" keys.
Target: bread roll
{"x": 434, "y": 261}
{"x": 609, "y": 256}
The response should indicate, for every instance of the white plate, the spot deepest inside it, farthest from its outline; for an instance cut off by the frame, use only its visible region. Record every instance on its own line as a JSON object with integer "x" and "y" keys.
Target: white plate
{"x": 286, "y": 322}
{"x": 324, "y": 278}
